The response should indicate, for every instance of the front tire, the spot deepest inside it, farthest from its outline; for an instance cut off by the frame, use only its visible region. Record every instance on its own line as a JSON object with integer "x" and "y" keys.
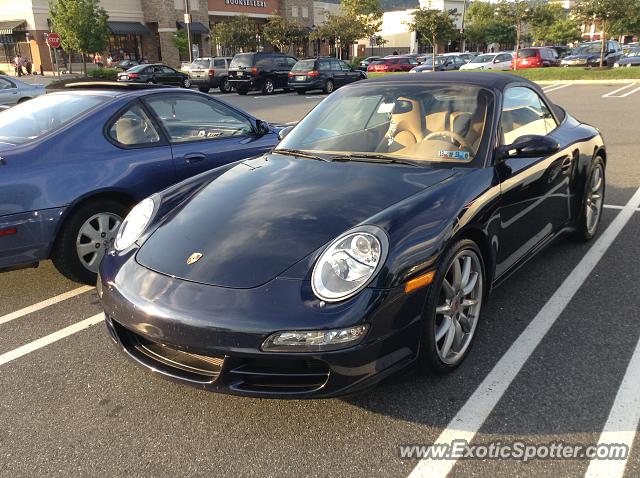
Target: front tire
{"x": 268, "y": 88}
{"x": 225, "y": 86}
{"x": 452, "y": 310}
{"x": 329, "y": 86}
{"x": 84, "y": 238}
{"x": 592, "y": 203}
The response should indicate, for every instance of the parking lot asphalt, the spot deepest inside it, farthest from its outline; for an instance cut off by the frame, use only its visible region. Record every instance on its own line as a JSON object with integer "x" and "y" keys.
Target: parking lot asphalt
{"x": 76, "y": 407}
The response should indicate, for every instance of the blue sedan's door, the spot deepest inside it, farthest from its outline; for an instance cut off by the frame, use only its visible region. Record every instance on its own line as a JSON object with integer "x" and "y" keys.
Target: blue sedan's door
{"x": 205, "y": 133}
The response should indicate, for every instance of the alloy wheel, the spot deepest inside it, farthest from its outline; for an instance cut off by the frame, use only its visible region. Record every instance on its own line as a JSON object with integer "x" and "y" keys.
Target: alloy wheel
{"x": 268, "y": 87}
{"x": 594, "y": 199}
{"x": 186, "y": 83}
{"x": 94, "y": 237}
{"x": 459, "y": 305}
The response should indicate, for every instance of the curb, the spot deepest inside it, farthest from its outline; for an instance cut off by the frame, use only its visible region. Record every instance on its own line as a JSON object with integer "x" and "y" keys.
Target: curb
{"x": 587, "y": 82}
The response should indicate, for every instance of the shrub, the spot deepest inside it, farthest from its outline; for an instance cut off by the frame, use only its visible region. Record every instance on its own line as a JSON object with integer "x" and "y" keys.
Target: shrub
{"x": 110, "y": 74}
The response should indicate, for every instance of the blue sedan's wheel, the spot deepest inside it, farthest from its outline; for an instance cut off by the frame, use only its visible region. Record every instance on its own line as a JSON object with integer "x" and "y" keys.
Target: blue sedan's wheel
{"x": 453, "y": 308}
{"x": 84, "y": 238}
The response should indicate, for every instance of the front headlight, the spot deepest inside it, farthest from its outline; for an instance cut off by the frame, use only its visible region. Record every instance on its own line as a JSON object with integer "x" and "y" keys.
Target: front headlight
{"x": 135, "y": 224}
{"x": 349, "y": 264}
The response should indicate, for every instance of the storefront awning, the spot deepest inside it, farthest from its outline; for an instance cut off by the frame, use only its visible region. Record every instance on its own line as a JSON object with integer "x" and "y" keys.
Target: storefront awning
{"x": 8, "y": 27}
{"x": 196, "y": 27}
{"x": 128, "y": 28}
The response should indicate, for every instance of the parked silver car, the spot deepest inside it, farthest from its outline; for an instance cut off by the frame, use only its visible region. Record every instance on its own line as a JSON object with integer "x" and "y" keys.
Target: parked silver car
{"x": 207, "y": 73}
{"x": 14, "y": 91}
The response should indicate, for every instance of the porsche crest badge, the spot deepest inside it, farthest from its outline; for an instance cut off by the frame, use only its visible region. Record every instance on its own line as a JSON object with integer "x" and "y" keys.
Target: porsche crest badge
{"x": 193, "y": 258}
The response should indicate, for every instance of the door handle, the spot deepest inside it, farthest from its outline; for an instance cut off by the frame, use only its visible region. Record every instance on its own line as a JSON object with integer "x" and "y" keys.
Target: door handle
{"x": 194, "y": 157}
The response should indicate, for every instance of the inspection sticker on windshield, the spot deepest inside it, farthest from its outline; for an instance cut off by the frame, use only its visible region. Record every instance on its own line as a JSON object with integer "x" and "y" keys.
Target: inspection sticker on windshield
{"x": 461, "y": 155}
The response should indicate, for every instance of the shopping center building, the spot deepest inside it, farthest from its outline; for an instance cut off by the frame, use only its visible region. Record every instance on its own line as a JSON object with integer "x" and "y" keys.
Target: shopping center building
{"x": 144, "y": 28}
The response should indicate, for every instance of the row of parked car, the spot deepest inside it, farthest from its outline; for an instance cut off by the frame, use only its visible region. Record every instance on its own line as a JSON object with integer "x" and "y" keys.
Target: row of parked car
{"x": 586, "y": 54}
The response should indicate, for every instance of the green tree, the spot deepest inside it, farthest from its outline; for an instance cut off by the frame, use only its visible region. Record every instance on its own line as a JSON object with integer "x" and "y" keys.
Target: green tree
{"x": 516, "y": 13}
{"x": 340, "y": 31}
{"x": 82, "y": 26}
{"x": 629, "y": 25}
{"x": 238, "y": 34}
{"x": 542, "y": 18}
{"x": 282, "y": 33}
{"x": 181, "y": 42}
{"x": 564, "y": 31}
{"x": 433, "y": 26}
{"x": 367, "y": 13}
{"x": 606, "y": 14}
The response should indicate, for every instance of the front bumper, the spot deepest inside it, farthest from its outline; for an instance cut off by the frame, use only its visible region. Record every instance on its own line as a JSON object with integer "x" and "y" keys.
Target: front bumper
{"x": 221, "y": 330}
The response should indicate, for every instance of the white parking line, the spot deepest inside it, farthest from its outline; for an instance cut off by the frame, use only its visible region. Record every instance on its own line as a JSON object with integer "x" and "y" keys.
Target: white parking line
{"x": 613, "y": 206}
{"x": 475, "y": 411}
{"x": 556, "y": 87}
{"x": 45, "y": 303}
{"x": 629, "y": 93}
{"x": 612, "y": 94}
{"x": 622, "y": 422}
{"x": 49, "y": 339}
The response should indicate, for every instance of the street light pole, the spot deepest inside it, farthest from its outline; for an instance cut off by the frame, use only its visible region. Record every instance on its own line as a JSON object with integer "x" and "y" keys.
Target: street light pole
{"x": 187, "y": 23}
{"x": 463, "y": 40}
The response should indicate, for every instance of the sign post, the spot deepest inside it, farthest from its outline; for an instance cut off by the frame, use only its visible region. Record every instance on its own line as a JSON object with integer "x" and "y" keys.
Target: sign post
{"x": 187, "y": 23}
{"x": 53, "y": 41}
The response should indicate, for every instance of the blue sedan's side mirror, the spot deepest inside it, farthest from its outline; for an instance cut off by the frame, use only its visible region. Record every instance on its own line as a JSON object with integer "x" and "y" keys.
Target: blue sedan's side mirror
{"x": 262, "y": 127}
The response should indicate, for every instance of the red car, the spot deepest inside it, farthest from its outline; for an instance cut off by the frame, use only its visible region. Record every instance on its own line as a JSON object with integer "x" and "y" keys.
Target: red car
{"x": 536, "y": 57}
{"x": 393, "y": 63}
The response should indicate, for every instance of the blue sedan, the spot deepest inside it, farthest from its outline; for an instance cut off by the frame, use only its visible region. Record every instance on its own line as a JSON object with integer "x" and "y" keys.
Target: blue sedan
{"x": 73, "y": 163}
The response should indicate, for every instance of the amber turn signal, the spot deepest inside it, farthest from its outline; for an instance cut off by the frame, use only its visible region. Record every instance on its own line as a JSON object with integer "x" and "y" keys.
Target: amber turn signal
{"x": 419, "y": 282}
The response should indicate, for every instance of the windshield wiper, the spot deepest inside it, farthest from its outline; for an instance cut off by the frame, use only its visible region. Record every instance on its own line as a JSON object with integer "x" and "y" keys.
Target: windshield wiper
{"x": 300, "y": 153}
{"x": 373, "y": 158}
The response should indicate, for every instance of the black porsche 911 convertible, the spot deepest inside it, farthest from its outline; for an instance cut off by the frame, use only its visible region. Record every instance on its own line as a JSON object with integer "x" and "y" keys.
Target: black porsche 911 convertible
{"x": 366, "y": 242}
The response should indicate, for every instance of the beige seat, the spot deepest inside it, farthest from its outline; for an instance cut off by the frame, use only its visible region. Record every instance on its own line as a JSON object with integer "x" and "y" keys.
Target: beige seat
{"x": 407, "y": 128}
{"x": 438, "y": 121}
{"x": 130, "y": 131}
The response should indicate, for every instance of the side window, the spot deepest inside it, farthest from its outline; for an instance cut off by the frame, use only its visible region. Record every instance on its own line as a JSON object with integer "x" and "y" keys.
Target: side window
{"x": 523, "y": 112}
{"x": 219, "y": 64}
{"x": 324, "y": 65}
{"x": 413, "y": 61}
{"x": 265, "y": 62}
{"x": 167, "y": 70}
{"x": 504, "y": 57}
{"x": 459, "y": 60}
{"x": 344, "y": 66}
{"x": 291, "y": 62}
{"x": 195, "y": 119}
{"x": 404, "y": 61}
{"x": 335, "y": 65}
{"x": 134, "y": 128}
{"x": 6, "y": 84}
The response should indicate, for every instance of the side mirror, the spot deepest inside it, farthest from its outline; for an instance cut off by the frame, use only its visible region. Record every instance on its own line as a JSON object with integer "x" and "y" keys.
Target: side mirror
{"x": 262, "y": 127}
{"x": 284, "y": 132}
{"x": 528, "y": 146}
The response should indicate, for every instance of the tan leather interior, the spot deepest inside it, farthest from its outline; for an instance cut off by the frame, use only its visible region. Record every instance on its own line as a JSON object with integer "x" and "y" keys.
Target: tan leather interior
{"x": 130, "y": 131}
{"x": 437, "y": 121}
{"x": 408, "y": 126}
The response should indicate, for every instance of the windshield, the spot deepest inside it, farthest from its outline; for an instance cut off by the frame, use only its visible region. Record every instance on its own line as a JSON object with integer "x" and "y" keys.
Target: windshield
{"x": 35, "y": 118}
{"x": 200, "y": 63}
{"x": 587, "y": 48}
{"x": 304, "y": 65}
{"x": 483, "y": 59}
{"x": 242, "y": 60}
{"x": 414, "y": 122}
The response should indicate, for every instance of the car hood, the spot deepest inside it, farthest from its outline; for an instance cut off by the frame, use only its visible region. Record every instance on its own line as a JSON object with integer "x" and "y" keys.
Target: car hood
{"x": 261, "y": 216}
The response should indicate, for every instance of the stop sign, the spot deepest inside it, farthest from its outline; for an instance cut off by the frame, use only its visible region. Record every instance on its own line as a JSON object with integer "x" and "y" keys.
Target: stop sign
{"x": 53, "y": 40}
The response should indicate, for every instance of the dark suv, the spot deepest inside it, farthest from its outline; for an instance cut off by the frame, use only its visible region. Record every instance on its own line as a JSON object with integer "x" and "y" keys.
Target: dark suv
{"x": 260, "y": 71}
{"x": 324, "y": 74}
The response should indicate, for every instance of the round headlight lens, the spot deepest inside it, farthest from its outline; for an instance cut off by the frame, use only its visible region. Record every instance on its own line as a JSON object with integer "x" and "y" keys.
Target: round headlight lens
{"x": 346, "y": 266}
{"x": 134, "y": 224}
